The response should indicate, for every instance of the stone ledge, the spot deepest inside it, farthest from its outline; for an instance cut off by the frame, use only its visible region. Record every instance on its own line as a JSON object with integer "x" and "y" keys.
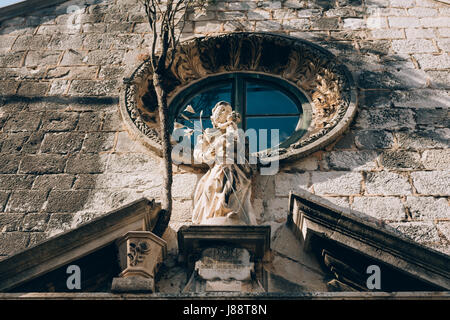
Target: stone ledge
{"x": 236, "y": 296}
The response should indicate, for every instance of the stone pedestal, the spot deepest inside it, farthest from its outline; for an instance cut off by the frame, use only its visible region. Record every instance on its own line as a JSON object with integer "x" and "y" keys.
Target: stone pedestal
{"x": 140, "y": 253}
{"x": 224, "y": 258}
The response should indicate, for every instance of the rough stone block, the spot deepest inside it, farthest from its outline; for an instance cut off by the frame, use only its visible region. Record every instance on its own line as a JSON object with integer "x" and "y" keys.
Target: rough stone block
{"x": 439, "y": 79}
{"x": 287, "y": 182}
{"x": 133, "y": 162}
{"x": 400, "y": 160}
{"x": 23, "y": 121}
{"x": 444, "y": 229}
{"x": 384, "y": 208}
{"x": 16, "y": 181}
{"x": 384, "y": 118}
{"x": 26, "y": 201}
{"x": 297, "y": 24}
{"x": 53, "y": 181}
{"x": 423, "y": 139}
{"x": 404, "y": 22}
{"x": 258, "y": 14}
{"x": 36, "y": 58}
{"x": 35, "y": 222}
{"x": 207, "y": 26}
{"x": 402, "y": 3}
{"x": 434, "y": 117}
{"x": 33, "y": 88}
{"x": 62, "y": 142}
{"x": 13, "y": 141}
{"x": 433, "y": 61}
{"x": 59, "y": 121}
{"x": 42, "y": 163}
{"x": 11, "y": 242}
{"x": 325, "y": 24}
{"x": 336, "y": 183}
{"x": 98, "y": 142}
{"x": 413, "y": 46}
{"x": 276, "y": 210}
{"x": 351, "y": 160}
{"x": 436, "y": 159}
{"x": 12, "y": 59}
{"x": 105, "y": 57}
{"x": 420, "y": 99}
{"x": 432, "y": 182}
{"x": 66, "y": 201}
{"x": 89, "y": 121}
{"x": 267, "y": 26}
{"x": 112, "y": 122}
{"x": 86, "y": 163}
{"x": 432, "y": 22}
{"x": 30, "y": 42}
{"x": 94, "y": 88}
{"x": 387, "y": 34}
{"x": 3, "y": 198}
{"x": 74, "y": 57}
{"x": 126, "y": 144}
{"x": 419, "y": 33}
{"x": 428, "y": 208}
{"x": 62, "y": 41}
{"x": 9, "y": 87}
{"x": 421, "y": 232}
{"x": 10, "y": 222}
{"x": 387, "y": 183}
{"x": 373, "y": 139}
{"x": 9, "y": 163}
{"x": 184, "y": 185}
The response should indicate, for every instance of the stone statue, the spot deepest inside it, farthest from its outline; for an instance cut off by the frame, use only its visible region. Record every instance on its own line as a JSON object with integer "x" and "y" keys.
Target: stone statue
{"x": 222, "y": 196}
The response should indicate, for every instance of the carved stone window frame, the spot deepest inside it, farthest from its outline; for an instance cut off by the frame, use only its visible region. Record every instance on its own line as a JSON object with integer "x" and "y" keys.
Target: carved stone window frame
{"x": 315, "y": 71}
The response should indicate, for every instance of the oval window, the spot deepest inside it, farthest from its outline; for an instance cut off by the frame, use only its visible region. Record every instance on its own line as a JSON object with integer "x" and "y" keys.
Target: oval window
{"x": 263, "y": 102}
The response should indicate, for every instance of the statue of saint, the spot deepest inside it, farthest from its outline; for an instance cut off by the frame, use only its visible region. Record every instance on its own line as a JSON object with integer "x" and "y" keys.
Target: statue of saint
{"x": 222, "y": 196}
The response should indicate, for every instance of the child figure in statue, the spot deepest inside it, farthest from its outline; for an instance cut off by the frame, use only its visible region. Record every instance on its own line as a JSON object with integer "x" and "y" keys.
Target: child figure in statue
{"x": 222, "y": 196}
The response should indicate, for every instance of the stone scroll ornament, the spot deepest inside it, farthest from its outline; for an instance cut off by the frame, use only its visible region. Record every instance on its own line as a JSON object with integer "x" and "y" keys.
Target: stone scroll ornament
{"x": 314, "y": 71}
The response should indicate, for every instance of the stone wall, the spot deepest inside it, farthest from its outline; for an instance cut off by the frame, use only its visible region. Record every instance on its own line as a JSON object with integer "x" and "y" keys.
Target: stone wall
{"x": 65, "y": 156}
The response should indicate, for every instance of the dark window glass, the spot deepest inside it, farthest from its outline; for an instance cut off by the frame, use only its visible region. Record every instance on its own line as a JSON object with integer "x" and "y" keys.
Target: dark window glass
{"x": 264, "y": 99}
{"x": 285, "y": 125}
{"x": 207, "y": 99}
{"x": 263, "y": 104}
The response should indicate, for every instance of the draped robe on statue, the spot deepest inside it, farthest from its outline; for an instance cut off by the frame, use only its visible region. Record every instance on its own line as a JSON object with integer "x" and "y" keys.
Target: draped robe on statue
{"x": 223, "y": 194}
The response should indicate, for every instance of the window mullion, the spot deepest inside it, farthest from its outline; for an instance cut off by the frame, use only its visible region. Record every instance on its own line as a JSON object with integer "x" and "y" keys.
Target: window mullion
{"x": 239, "y": 98}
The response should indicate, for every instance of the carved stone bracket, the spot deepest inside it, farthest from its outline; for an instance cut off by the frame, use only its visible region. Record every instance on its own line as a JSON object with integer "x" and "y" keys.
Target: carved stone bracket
{"x": 312, "y": 69}
{"x": 140, "y": 254}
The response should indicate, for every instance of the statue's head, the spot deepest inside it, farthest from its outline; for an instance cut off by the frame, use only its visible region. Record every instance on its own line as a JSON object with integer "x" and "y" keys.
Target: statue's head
{"x": 222, "y": 113}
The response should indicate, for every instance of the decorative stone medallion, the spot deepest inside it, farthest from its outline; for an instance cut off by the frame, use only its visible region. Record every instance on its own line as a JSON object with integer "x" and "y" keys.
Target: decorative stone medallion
{"x": 313, "y": 70}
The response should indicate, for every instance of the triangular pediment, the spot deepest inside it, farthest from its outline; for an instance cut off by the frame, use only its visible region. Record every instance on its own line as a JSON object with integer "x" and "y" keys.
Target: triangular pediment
{"x": 347, "y": 242}
{"x": 43, "y": 266}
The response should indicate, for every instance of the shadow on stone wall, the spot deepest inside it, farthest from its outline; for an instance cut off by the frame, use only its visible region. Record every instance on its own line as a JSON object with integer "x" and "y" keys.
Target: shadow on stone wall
{"x": 51, "y": 150}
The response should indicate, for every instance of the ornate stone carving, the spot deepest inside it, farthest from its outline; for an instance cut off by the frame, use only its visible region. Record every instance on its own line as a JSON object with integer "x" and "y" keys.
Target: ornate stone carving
{"x": 137, "y": 251}
{"x": 140, "y": 254}
{"x": 311, "y": 69}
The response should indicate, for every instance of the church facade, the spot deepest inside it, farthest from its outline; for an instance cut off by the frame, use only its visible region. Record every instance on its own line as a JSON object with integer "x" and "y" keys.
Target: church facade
{"x": 362, "y": 180}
